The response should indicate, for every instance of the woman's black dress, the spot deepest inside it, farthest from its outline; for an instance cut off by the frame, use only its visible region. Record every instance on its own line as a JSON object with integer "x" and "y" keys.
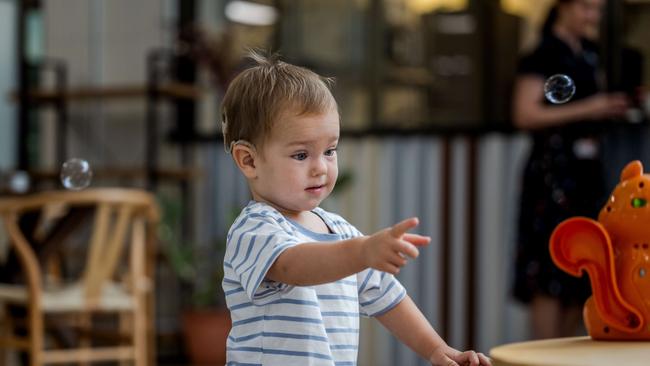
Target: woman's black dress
{"x": 563, "y": 177}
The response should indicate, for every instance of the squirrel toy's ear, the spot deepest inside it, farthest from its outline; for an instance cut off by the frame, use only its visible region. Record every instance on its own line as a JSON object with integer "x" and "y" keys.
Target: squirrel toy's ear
{"x": 631, "y": 170}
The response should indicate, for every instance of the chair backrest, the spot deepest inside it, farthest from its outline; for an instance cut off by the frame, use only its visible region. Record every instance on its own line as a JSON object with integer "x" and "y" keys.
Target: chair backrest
{"x": 117, "y": 212}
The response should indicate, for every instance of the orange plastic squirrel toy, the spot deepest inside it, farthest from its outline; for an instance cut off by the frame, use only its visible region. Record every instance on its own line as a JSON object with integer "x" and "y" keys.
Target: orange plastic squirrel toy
{"x": 614, "y": 252}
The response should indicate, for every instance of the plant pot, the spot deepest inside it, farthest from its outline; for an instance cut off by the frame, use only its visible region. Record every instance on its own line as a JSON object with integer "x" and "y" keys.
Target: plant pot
{"x": 205, "y": 332}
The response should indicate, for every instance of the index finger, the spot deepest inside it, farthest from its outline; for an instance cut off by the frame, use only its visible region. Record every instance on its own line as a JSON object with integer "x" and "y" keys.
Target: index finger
{"x": 402, "y": 227}
{"x": 416, "y": 239}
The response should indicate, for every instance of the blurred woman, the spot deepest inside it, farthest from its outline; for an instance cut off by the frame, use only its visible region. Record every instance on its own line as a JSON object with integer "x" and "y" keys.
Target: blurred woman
{"x": 564, "y": 174}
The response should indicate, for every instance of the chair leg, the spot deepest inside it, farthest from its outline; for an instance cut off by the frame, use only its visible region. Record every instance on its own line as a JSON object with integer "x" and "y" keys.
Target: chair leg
{"x": 150, "y": 327}
{"x": 85, "y": 322}
{"x": 36, "y": 336}
{"x": 6, "y": 332}
{"x": 125, "y": 327}
{"x": 140, "y": 335}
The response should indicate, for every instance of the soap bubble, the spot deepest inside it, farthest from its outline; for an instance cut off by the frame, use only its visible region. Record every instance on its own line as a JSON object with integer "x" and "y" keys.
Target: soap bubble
{"x": 559, "y": 89}
{"x": 19, "y": 182}
{"x": 76, "y": 174}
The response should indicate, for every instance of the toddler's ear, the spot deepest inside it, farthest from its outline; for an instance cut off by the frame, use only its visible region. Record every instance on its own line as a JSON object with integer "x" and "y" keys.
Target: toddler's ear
{"x": 245, "y": 159}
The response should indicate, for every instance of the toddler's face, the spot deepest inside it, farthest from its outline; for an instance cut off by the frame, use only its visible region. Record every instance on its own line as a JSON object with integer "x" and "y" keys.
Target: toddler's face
{"x": 297, "y": 167}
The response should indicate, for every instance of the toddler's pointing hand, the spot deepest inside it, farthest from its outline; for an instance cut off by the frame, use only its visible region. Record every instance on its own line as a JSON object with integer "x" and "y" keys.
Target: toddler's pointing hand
{"x": 387, "y": 250}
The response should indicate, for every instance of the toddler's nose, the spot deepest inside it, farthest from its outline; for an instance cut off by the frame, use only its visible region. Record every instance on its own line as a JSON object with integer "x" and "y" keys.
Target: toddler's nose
{"x": 319, "y": 167}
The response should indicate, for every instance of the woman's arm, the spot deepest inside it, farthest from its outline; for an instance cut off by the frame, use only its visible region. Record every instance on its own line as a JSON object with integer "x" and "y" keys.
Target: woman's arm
{"x": 530, "y": 112}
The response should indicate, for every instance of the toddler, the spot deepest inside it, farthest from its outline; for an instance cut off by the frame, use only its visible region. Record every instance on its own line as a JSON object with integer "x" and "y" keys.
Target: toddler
{"x": 297, "y": 277}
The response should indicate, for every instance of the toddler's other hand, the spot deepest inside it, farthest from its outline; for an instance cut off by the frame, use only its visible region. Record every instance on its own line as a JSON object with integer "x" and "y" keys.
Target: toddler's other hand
{"x": 447, "y": 356}
{"x": 387, "y": 249}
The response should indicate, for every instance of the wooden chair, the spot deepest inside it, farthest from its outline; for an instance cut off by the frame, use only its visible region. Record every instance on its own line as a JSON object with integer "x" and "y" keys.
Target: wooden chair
{"x": 113, "y": 278}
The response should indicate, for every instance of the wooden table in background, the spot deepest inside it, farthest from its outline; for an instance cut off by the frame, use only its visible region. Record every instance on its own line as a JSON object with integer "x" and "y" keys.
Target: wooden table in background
{"x": 574, "y": 351}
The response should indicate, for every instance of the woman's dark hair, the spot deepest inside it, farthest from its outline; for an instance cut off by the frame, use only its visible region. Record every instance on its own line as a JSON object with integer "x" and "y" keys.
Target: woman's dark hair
{"x": 551, "y": 18}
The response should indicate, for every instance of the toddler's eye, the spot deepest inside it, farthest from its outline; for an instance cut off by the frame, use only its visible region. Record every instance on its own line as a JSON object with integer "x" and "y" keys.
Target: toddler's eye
{"x": 638, "y": 202}
{"x": 299, "y": 156}
{"x": 330, "y": 152}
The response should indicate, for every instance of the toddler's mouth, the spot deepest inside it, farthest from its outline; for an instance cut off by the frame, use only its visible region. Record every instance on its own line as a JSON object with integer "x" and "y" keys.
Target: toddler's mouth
{"x": 315, "y": 188}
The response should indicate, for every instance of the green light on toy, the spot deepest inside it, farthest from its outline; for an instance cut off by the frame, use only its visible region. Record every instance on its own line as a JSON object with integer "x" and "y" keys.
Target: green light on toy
{"x": 638, "y": 202}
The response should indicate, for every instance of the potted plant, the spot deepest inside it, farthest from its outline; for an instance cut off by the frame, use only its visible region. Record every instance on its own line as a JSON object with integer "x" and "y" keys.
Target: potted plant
{"x": 205, "y": 320}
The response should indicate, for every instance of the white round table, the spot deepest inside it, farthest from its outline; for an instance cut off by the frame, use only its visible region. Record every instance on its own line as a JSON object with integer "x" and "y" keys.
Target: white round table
{"x": 574, "y": 351}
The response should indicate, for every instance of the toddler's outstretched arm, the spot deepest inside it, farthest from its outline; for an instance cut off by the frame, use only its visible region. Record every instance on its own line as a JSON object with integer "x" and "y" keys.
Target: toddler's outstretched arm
{"x": 410, "y": 326}
{"x": 317, "y": 263}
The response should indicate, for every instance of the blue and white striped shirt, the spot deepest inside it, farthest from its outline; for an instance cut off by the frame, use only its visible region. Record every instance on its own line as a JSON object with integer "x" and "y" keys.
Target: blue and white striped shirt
{"x": 278, "y": 324}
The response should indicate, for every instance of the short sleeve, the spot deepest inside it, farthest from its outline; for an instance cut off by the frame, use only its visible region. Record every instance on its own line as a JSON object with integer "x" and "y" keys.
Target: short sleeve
{"x": 378, "y": 292}
{"x": 254, "y": 243}
{"x": 551, "y": 56}
{"x": 533, "y": 64}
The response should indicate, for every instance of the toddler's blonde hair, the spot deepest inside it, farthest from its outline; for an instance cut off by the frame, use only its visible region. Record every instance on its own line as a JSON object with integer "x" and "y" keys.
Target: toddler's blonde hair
{"x": 259, "y": 95}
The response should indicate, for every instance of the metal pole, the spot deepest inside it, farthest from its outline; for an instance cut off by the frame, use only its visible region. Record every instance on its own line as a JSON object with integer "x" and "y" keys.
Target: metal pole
{"x": 23, "y": 81}
{"x": 445, "y": 250}
{"x": 62, "y": 111}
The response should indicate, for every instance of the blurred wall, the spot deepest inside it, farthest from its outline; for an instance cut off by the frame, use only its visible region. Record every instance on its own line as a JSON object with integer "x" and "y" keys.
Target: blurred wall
{"x": 104, "y": 44}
